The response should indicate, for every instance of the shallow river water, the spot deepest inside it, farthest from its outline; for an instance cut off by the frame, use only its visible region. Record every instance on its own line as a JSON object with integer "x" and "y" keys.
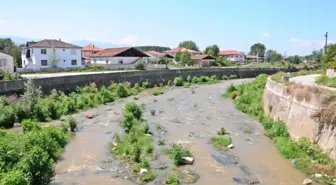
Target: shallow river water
{"x": 190, "y": 116}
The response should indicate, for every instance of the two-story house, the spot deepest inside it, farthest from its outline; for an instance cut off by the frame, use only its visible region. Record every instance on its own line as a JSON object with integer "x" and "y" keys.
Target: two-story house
{"x": 88, "y": 51}
{"x": 51, "y": 53}
{"x": 232, "y": 55}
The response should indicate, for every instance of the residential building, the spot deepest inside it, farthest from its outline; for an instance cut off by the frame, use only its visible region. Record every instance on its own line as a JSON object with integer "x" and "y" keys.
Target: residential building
{"x": 180, "y": 49}
{"x": 88, "y": 51}
{"x": 125, "y": 55}
{"x": 6, "y": 63}
{"x": 203, "y": 60}
{"x": 232, "y": 55}
{"x": 252, "y": 58}
{"x": 158, "y": 58}
{"x": 51, "y": 53}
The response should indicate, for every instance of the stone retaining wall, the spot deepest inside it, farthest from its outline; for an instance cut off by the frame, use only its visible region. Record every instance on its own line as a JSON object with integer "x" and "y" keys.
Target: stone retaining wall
{"x": 68, "y": 83}
{"x": 298, "y": 115}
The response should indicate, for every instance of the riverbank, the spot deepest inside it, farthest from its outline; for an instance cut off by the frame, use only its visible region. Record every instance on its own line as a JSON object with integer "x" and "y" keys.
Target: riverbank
{"x": 305, "y": 156}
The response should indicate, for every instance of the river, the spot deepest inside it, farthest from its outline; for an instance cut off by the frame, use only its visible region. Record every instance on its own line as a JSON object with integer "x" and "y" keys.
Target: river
{"x": 190, "y": 116}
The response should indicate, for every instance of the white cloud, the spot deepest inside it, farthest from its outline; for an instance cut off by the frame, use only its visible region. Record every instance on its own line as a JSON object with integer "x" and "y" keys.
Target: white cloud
{"x": 294, "y": 40}
{"x": 2, "y": 22}
{"x": 309, "y": 42}
{"x": 130, "y": 39}
{"x": 266, "y": 34}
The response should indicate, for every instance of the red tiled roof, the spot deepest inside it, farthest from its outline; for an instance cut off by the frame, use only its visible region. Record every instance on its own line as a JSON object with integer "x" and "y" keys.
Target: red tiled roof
{"x": 200, "y": 57}
{"x": 230, "y": 52}
{"x": 158, "y": 54}
{"x": 251, "y": 57}
{"x": 91, "y": 47}
{"x": 111, "y": 52}
{"x": 180, "y": 49}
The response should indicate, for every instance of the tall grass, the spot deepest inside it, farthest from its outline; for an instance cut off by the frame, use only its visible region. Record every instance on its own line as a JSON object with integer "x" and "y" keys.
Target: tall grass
{"x": 306, "y": 156}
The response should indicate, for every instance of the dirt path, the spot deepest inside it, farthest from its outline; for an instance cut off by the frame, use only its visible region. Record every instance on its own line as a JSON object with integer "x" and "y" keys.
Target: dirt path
{"x": 190, "y": 118}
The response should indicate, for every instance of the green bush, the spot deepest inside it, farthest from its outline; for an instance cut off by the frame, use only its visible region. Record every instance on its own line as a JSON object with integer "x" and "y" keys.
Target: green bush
{"x": 161, "y": 142}
{"x": 221, "y": 142}
{"x": 176, "y": 154}
{"x": 30, "y": 125}
{"x": 172, "y": 178}
{"x": 14, "y": 177}
{"x": 278, "y": 129}
{"x": 195, "y": 80}
{"x": 135, "y": 109}
{"x": 70, "y": 121}
{"x": 121, "y": 91}
{"x": 36, "y": 166}
{"x": 7, "y": 116}
{"x": 106, "y": 95}
{"x": 145, "y": 84}
{"x": 189, "y": 79}
{"x": 140, "y": 65}
{"x": 157, "y": 92}
{"x": 178, "y": 81}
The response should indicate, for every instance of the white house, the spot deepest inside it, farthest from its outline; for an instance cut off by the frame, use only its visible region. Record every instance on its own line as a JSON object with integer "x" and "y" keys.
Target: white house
{"x": 125, "y": 55}
{"x": 51, "y": 53}
{"x": 232, "y": 55}
{"x": 6, "y": 63}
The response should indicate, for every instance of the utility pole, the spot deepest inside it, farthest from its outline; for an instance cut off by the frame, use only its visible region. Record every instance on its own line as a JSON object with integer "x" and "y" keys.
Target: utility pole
{"x": 326, "y": 42}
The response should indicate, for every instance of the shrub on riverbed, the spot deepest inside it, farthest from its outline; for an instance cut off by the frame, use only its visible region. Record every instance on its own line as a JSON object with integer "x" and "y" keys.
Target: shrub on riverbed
{"x": 306, "y": 157}
{"x": 221, "y": 142}
{"x": 178, "y": 81}
{"x": 172, "y": 178}
{"x": 176, "y": 154}
{"x": 30, "y": 125}
{"x": 70, "y": 122}
{"x": 29, "y": 158}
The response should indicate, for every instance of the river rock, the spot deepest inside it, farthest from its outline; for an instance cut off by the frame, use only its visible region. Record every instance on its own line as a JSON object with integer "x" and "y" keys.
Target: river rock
{"x": 143, "y": 170}
{"x": 189, "y": 160}
{"x": 307, "y": 181}
{"x": 230, "y": 146}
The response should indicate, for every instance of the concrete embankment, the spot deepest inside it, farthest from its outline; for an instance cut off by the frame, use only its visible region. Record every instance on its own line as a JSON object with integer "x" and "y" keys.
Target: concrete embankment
{"x": 299, "y": 106}
{"x": 68, "y": 83}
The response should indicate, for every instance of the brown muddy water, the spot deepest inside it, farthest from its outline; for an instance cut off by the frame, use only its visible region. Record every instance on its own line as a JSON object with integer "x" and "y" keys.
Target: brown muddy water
{"x": 190, "y": 116}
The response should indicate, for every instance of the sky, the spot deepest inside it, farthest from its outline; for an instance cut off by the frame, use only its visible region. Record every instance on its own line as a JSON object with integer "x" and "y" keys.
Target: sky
{"x": 288, "y": 26}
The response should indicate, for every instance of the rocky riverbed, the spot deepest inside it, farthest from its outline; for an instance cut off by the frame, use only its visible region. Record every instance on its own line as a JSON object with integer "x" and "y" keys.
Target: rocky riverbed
{"x": 189, "y": 116}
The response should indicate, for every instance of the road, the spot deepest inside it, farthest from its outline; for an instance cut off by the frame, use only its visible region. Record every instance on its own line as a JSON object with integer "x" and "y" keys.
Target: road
{"x": 309, "y": 80}
{"x": 47, "y": 75}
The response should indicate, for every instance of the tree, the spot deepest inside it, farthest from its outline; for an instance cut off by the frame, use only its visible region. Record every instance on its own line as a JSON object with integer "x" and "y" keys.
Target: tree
{"x": 186, "y": 58}
{"x": 153, "y": 48}
{"x": 258, "y": 49}
{"x": 178, "y": 56}
{"x": 294, "y": 59}
{"x": 212, "y": 50}
{"x": 317, "y": 55}
{"x": 53, "y": 59}
{"x": 330, "y": 57}
{"x": 189, "y": 45}
{"x": 9, "y": 47}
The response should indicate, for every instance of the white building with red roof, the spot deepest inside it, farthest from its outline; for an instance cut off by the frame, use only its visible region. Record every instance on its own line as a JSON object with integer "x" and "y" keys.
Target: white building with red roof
{"x": 125, "y": 55}
{"x": 232, "y": 55}
{"x": 88, "y": 51}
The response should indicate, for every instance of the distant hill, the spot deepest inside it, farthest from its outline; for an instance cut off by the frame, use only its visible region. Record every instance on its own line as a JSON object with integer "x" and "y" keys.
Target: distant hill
{"x": 21, "y": 40}
{"x": 153, "y": 48}
{"x": 97, "y": 43}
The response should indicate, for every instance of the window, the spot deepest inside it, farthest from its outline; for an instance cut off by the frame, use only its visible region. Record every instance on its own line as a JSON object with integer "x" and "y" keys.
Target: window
{"x": 73, "y": 51}
{"x": 43, "y": 51}
{"x": 4, "y": 63}
{"x": 44, "y": 63}
{"x": 106, "y": 61}
{"x": 74, "y": 62}
{"x": 32, "y": 51}
{"x": 63, "y": 60}
{"x": 120, "y": 61}
{"x": 63, "y": 49}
